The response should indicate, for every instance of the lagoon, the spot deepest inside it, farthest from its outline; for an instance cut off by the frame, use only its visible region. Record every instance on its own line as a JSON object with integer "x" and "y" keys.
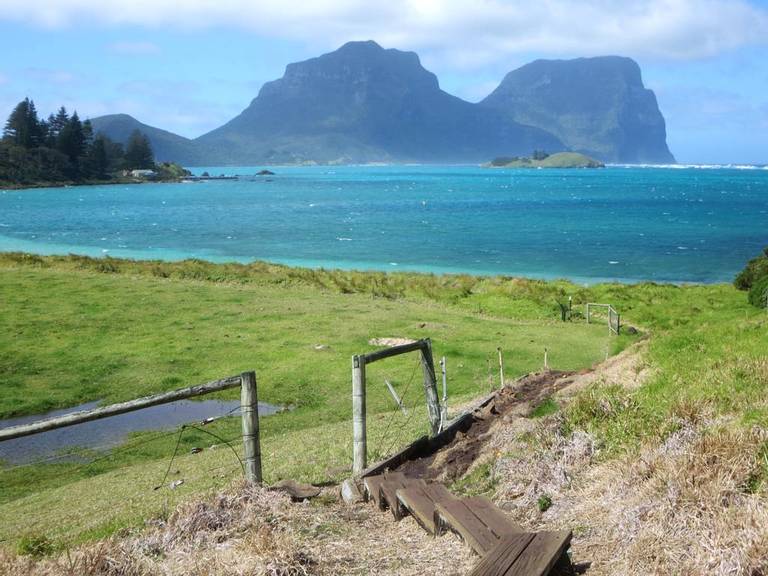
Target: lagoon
{"x": 664, "y": 224}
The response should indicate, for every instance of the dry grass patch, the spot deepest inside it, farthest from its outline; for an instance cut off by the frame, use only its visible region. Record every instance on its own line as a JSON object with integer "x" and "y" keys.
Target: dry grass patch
{"x": 254, "y": 531}
{"x": 696, "y": 503}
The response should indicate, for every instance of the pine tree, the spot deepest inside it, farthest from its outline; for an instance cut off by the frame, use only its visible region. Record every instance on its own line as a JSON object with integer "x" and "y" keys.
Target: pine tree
{"x": 97, "y": 158}
{"x": 88, "y": 132}
{"x": 59, "y": 121}
{"x": 138, "y": 152}
{"x": 23, "y": 127}
{"x": 71, "y": 142}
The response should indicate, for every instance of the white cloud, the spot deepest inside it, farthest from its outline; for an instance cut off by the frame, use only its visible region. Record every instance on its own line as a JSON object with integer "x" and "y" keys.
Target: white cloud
{"x": 134, "y": 48}
{"x": 466, "y": 32}
{"x": 50, "y": 76}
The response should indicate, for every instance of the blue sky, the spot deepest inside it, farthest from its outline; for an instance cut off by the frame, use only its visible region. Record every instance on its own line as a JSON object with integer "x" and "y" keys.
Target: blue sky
{"x": 189, "y": 67}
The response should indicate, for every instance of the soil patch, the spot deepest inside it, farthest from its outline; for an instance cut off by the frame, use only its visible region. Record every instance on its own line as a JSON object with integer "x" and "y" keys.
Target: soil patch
{"x": 454, "y": 459}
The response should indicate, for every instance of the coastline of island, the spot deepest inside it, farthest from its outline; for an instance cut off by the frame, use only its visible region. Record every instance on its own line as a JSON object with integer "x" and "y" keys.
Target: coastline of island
{"x": 541, "y": 159}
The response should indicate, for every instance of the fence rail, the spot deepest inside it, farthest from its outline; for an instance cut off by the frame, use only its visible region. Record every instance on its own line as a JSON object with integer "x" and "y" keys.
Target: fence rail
{"x": 614, "y": 318}
{"x": 248, "y": 401}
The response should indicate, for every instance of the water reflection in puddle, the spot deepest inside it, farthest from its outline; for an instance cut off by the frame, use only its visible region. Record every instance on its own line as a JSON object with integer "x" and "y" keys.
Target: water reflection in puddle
{"x": 109, "y": 432}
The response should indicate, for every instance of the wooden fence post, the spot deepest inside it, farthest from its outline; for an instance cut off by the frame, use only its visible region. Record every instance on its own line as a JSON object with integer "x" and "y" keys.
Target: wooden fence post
{"x": 430, "y": 386}
{"x": 501, "y": 368}
{"x": 249, "y": 403}
{"x": 359, "y": 442}
{"x": 444, "y": 406}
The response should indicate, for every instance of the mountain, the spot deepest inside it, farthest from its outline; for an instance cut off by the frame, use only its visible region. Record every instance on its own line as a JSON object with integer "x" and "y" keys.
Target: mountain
{"x": 168, "y": 147}
{"x": 597, "y": 106}
{"x": 364, "y": 103}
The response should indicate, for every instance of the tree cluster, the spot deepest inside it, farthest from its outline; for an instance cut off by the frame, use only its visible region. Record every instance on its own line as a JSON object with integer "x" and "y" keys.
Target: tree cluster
{"x": 62, "y": 148}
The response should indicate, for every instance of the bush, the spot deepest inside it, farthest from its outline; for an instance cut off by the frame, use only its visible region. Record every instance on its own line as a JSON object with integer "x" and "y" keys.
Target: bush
{"x": 755, "y": 269}
{"x": 758, "y": 293}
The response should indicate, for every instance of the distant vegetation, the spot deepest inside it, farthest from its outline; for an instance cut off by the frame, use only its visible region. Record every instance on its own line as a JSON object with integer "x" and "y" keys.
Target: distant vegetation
{"x": 754, "y": 279}
{"x": 63, "y": 149}
{"x": 540, "y": 159}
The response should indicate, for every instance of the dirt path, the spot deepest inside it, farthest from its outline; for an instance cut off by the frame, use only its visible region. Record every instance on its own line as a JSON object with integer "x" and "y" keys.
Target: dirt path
{"x": 454, "y": 459}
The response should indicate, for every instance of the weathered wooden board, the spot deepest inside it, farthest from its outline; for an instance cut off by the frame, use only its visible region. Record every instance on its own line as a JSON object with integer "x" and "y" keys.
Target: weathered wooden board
{"x": 120, "y": 408}
{"x": 420, "y": 501}
{"x": 372, "y": 488}
{"x": 492, "y": 516}
{"x": 463, "y": 521}
{"x": 525, "y": 554}
{"x": 541, "y": 554}
{"x": 296, "y": 490}
{"x": 477, "y": 521}
{"x": 392, "y": 483}
{"x": 503, "y": 555}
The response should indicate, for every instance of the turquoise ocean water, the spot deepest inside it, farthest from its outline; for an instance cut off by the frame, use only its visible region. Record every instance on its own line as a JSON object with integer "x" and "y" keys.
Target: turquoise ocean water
{"x": 621, "y": 223}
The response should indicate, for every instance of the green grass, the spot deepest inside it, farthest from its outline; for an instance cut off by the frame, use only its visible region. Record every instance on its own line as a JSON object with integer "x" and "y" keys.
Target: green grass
{"x": 558, "y": 160}
{"x": 101, "y": 329}
{"x": 545, "y": 408}
{"x": 79, "y": 335}
{"x": 81, "y": 329}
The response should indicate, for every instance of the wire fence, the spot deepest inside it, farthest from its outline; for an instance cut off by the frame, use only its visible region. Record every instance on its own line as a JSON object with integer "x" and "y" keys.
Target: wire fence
{"x": 104, "y": 467}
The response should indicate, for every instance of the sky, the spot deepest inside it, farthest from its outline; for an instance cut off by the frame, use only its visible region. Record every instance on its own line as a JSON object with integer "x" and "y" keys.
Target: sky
{"x": 190, "y": 66}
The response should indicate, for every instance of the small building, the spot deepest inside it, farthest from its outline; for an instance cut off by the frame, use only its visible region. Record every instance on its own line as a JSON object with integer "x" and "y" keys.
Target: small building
{"x": 143, "y": 173}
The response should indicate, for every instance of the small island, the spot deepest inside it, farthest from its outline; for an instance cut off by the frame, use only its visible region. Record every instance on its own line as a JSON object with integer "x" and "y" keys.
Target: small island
{"x": 543, "y": 160}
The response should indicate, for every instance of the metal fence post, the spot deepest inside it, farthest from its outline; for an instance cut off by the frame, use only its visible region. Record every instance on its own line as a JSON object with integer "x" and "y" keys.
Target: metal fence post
{"x": 251, "y": 444}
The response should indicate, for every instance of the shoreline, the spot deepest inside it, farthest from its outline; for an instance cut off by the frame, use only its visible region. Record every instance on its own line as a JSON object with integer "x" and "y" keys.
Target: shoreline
{"x": 72, "y": 184}
{"x": 105, "y": 259}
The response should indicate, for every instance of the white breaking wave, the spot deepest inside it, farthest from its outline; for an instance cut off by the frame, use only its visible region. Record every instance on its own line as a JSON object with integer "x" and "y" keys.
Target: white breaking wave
{"x": 696, "y": 166}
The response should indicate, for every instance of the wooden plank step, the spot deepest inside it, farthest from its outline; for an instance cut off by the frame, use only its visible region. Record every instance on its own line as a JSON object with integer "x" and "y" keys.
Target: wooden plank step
{"x": 373, "y": 486}
{"x": 389, "y": 490}
{"x": 463, "y": 521}
{"x": 503, "y": 555}
{"x": 525, "y": 554}
{"x": 420, "y": 501}
{"x": 477, "y": 521}
{"x": 492, "y": 516}
{"x": 541, "y": 554}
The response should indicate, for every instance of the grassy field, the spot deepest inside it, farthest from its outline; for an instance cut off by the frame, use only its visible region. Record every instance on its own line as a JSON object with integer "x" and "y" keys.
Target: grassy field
{"x": 78, "y": 329}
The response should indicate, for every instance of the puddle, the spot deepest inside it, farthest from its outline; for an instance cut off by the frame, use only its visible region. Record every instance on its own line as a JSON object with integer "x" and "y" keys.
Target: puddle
{"x": 109, "y": 432}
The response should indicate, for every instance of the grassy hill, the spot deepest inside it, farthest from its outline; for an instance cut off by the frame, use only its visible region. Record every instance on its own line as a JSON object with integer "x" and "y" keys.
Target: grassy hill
{"x": 105, "y": 329}
{"x": 109, "y": 329}
{"x": 167, "y": 146}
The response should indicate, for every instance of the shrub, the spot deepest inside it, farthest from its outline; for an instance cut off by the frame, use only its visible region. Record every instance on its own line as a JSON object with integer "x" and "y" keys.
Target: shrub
{"x": 758, "y": 293}
{"x": 107, "y": 266}
{"x": 544, "y": 502}
{"x": 755, "y": 269}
